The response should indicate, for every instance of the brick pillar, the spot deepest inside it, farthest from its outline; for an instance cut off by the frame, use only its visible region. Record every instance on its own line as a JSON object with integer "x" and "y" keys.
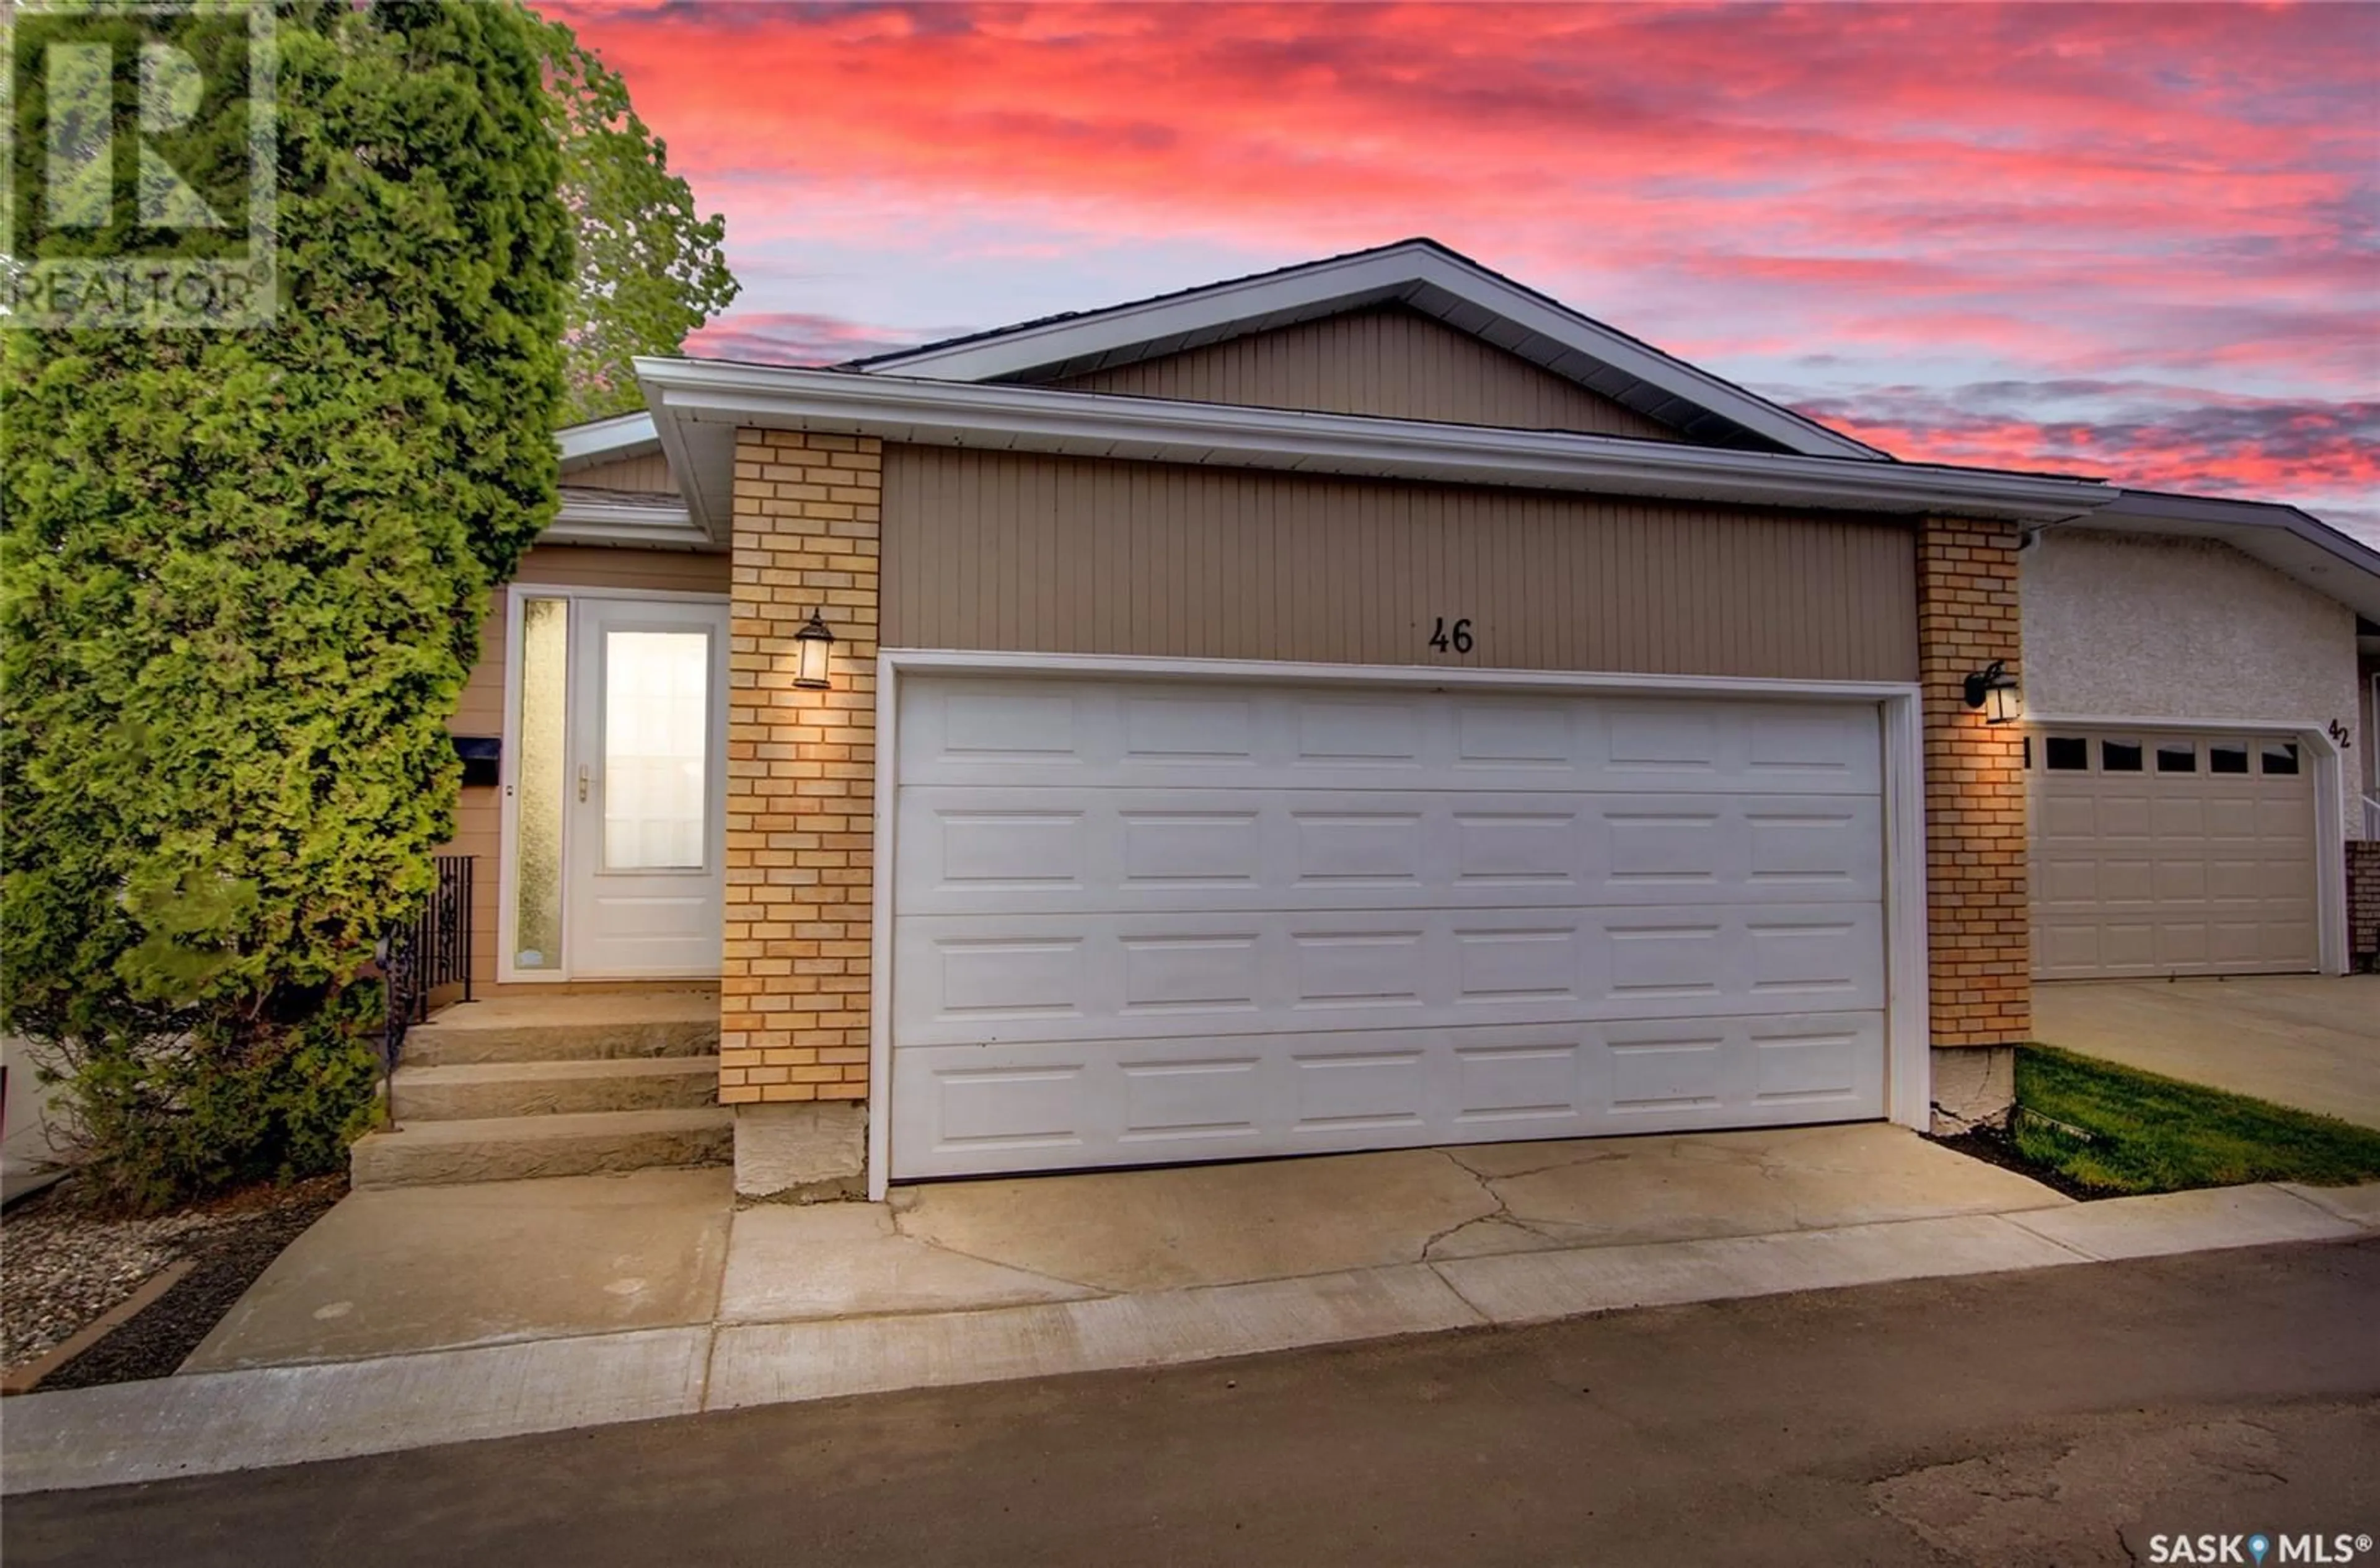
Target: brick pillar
{"x": 1978, "y": 933}
{"x": 801, "y": 791}
{"x": 2363, "y": 905}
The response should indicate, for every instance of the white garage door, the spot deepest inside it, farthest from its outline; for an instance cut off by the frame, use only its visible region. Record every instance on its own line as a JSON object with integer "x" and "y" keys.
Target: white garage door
{"x": 2170, "y": 855}
{"x": 1138, "y": 923}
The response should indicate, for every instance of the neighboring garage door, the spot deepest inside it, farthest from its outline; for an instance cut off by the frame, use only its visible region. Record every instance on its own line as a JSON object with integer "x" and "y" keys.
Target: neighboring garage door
{"x": 1139, "y": 923}
{"x": 2170, "y": 855}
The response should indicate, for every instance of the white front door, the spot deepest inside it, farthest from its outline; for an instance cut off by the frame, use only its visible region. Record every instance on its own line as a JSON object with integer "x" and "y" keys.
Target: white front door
{"x": 618, "y": 785}
{"x": 1139, "y": 922}
{"x": 648, "y": 792}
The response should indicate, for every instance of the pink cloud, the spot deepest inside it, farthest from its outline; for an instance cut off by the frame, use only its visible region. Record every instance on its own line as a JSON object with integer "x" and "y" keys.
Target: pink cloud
{"x": 2046, "y": 190}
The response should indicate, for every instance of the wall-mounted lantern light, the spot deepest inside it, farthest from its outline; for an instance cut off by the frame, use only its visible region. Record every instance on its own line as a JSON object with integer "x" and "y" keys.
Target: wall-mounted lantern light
{"x": 1996, "y": 691}
{"x": 811, "y": 645}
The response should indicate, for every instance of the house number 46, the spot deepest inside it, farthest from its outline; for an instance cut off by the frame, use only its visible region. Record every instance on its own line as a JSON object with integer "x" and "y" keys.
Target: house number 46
{"x": 1458, "y": 636}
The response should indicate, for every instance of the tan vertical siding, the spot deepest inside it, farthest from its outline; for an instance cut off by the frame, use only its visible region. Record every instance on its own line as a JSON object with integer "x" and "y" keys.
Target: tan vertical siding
{"x": 1051, "y": 555}
{"x": 1387, "y": 361}
{"x": 479, "y": 814}
{"x": 649, "y": 475}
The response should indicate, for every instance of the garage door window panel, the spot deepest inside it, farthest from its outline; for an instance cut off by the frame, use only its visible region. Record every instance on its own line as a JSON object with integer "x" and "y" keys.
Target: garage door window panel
{"x": 2068, "y": 753}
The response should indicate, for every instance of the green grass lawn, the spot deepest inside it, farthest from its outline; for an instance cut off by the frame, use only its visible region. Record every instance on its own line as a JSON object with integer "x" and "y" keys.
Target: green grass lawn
{"x": 2152, "y": 1134}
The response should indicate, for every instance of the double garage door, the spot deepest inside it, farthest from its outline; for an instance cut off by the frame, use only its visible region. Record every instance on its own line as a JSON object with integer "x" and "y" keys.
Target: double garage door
{"x": 2170, "y": 853}
{"x": 1138, "y": 923}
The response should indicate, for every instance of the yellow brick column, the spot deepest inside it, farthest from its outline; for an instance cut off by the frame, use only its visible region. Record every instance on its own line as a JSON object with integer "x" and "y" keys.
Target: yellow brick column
{"x": 801, "y": 790}
{"x": 1978, "y": 928}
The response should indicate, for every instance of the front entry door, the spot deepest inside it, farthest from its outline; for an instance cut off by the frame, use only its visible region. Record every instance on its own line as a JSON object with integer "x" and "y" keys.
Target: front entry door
{"x": 645, "y": 788}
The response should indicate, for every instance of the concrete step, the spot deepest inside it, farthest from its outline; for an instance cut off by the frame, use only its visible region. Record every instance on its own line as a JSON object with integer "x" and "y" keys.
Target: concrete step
{"x": 568, "y": 1028}
{"x": 504, "y": 1148}
{"x": 479, "y": 1090}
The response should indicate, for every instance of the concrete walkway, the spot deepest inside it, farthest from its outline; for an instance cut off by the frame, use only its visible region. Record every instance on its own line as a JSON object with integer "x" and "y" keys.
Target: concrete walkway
{"x": 2311, "y": 1041}
{"x": 2059, "y": 1419}
{"x": 982, "y": 1282}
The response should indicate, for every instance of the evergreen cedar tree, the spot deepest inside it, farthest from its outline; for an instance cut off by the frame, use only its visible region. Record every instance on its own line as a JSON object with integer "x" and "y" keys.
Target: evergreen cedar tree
{"x": 243, "y": 573}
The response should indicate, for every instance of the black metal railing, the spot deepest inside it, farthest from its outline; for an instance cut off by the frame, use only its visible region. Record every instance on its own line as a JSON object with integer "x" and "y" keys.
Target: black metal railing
{"x": 430, "y": 951}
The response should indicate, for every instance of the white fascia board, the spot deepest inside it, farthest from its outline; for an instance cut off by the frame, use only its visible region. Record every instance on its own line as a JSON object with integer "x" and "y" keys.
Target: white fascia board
{"x": 706, "y": 396}
{"x": 1392, "y": 272}
{"x": 605, "y": 440}
{"x": 653, "y": 525}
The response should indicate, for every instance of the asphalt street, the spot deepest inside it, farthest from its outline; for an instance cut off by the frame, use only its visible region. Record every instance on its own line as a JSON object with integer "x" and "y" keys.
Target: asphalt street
{"x": 2067, "y": 1417}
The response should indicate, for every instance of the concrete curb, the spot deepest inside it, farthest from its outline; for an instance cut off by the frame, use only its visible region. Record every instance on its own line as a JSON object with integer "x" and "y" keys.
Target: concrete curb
{"x": 211, "y": 1423}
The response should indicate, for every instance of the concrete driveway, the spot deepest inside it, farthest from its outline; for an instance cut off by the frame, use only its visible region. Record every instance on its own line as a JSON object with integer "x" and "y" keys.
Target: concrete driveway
{"x": 407, "y": 1270}
{"x": 2308, "y": 1041}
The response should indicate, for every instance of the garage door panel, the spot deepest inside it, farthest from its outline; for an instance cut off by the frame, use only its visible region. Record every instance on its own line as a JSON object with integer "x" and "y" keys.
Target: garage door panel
{"x": 1087, "y": 733}
{"x": 968, "y": 979}
{"x": 2284, "y": 940}
{"x": 1127, "y": 1102}
{"x": 962, "y": 848}
{"x": 2124, "y": 817}
{"x": 2171, "y": 873}
{"x": 2068, "y": 819}
{"x": 1136, "y": 923}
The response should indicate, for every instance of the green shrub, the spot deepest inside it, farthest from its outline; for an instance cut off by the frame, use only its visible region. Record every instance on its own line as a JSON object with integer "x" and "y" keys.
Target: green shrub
{"x": 156, "y": 1121}
{"x": 242, "y": 574}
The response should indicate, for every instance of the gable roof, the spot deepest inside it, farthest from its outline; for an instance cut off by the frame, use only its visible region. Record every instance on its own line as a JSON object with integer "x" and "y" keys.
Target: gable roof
{"x": 590, "y": 515}
{"x": 2296, "y": 544}
{"x": 1418, "y": 273}
{"x": 699, "y": 404}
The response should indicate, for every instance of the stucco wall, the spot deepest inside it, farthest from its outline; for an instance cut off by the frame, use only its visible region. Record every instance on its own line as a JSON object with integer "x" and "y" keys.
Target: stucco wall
{"x": 2182, "y": 628}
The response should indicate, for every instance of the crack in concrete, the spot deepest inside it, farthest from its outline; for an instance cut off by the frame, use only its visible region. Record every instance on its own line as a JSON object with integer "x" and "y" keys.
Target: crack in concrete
{"x": 938, "y": 1245}
{"x": 1501, "y": 1215}
{"x": 1582, "y": 1158}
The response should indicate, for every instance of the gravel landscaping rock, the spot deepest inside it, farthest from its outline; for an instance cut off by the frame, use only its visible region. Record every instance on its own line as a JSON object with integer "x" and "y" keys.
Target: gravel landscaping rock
{"x": 61, "y": 1265}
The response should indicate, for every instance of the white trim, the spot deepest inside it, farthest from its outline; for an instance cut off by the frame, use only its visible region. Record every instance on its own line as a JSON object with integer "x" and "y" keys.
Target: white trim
{"x": 953, "y": 660}
{"x": 594, "y": 518}
{"x": 603, "y": 441}
{"x": 2329, "y": 805}
{"x": 1420, "y": 273}
{"x": 678, "y": 595}
{"x": 508, "y": 804}
{"x": 1909, "y": 1023}
{"x": 879, "y": 936}
{"x": 1909, "y": 1055}
{"x": 699, "y": 404}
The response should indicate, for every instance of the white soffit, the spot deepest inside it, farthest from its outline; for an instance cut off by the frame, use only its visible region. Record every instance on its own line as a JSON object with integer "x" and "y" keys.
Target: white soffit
{"x": 699, "y": 404}
{"x": 2300, "y": 547}
{"x": 1419, "y": 274}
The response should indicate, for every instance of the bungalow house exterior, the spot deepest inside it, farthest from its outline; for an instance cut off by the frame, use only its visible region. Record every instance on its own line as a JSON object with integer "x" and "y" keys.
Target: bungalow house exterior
{"x": 1368, "y": 705}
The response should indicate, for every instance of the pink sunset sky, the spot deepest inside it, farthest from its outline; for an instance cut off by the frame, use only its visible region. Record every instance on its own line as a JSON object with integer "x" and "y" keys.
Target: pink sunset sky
{"x": 2134, "y": 240}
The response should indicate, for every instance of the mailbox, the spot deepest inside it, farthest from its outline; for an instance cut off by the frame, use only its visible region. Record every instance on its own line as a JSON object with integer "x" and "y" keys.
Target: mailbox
{"x": 483, "y": 759}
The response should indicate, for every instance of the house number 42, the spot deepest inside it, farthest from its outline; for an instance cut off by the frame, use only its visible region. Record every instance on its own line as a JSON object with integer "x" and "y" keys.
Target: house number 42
{"x": 1457, "y": 637}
